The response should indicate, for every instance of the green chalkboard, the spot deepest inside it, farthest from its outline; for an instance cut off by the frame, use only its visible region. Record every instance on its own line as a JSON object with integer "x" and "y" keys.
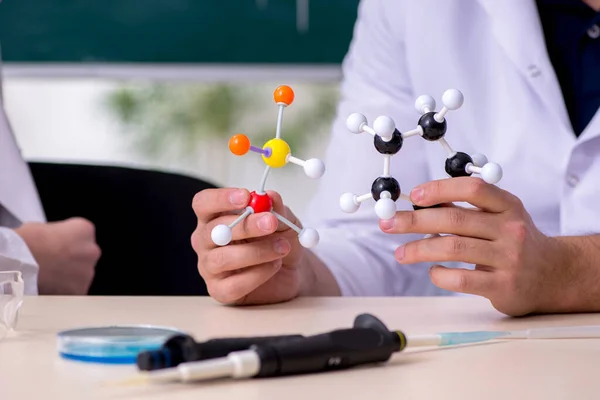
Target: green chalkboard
{"x": 176, "y": 31}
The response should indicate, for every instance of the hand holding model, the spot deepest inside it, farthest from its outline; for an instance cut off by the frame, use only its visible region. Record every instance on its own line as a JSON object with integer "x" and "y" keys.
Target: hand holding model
{"x": 518, "y": 268}
{"x": 249, "y": 244}
{"x": 261, "y": 263}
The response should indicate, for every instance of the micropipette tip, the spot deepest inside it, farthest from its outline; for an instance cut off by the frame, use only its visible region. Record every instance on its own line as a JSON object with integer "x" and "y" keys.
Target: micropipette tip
{"x": 455, "y": 338}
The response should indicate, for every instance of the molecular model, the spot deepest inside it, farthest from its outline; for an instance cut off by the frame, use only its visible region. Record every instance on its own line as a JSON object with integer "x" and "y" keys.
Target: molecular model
{"x": 388, "y": 141}
{"x": 275, "y": 153}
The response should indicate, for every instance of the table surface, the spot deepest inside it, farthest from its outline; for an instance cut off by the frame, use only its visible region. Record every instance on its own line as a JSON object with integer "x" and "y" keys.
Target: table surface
{"x": 545, "y": 369}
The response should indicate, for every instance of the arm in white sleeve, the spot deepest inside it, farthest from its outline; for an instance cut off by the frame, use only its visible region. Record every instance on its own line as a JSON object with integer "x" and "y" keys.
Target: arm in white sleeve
{"x": 376, "y": 82}
{"x": 15, "y": 256}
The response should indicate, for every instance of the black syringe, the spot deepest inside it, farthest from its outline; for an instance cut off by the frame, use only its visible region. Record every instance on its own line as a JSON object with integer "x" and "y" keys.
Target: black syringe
{"x": 367, "y": 342}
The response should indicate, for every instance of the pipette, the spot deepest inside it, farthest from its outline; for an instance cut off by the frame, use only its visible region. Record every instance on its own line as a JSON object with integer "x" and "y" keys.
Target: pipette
{"x": 367, "y": 342}
{"x": 456, "y": 338}
{"x": 183, "y": 348}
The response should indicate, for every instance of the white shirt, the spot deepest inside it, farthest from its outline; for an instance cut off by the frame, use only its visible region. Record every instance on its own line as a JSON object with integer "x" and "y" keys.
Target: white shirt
{"x": 513, "y": 112}
{"x": 19, "y": 203}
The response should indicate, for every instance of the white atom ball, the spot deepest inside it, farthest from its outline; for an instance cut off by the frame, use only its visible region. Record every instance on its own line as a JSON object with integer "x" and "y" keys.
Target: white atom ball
{"x": 491, "y": 173}
{"x": 425, "y": 101}
{"x": 348, "y": 203}
{"x": 355, "y": 122}
{"x": 308, "y": 238}
{"x": 479, "y": 160}
{"x": 314, "y": 168}
{"x": 385, "y": 208}
{"x": 384, "y": 126}
{"x": 221, "y": 235}
{"x": 452, "y": 99}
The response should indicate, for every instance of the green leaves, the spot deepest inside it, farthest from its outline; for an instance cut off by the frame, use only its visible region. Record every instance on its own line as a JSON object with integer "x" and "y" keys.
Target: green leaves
{"x": 177, "y": 118}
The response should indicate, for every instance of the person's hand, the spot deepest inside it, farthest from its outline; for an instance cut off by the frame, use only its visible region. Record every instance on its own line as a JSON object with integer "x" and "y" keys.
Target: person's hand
{"x": 66, "y": 252}
{"x": 261, "y": 264}
{"x": 517, "y": 268}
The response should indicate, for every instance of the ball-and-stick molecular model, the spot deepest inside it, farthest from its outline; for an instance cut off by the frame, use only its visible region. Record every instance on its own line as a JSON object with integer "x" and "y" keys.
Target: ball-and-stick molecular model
{"x": 388, "y": 141}
{"x": 276, "y": 153}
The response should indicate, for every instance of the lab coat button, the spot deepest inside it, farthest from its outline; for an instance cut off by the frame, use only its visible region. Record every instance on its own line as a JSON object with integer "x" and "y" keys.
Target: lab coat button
{"x": 572, "y": 180}
{"x": 594, "y": 31}
{"x": 534, "y": 71}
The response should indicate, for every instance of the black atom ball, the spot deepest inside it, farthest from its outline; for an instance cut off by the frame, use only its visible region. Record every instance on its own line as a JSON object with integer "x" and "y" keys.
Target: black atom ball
{"x": 455, "y": 165}
{"x": 385, "y": 184}
{"x": 392, "y": 146}
{"x": 432, "y": 130}
{"x": 416, "y": 207}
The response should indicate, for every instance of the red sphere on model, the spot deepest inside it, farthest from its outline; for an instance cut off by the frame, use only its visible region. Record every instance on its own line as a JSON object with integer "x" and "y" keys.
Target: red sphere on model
{"x": 260, "y": 202}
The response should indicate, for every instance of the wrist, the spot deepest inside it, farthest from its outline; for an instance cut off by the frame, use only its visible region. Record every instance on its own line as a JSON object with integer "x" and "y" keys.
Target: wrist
{"x": 575, "y": 270}
{"x": 31, "y": 236}
{"x": 308, "y": 276}
{"x": 315, "y": 278}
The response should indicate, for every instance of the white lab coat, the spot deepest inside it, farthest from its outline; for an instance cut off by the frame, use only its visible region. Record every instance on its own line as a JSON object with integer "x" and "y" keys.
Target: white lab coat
{"x": 19, "y": 203}
{"x": 513, "y": 112}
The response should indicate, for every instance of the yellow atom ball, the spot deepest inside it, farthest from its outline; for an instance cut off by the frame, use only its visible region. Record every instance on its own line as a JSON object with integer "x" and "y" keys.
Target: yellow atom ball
{"x": 278, "y": 153}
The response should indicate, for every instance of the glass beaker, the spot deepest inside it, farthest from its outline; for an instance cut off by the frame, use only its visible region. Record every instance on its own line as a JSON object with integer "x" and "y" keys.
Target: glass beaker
{"x": 12, "y": 290}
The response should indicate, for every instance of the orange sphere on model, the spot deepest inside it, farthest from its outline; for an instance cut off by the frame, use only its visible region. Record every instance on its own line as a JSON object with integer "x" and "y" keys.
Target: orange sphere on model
{"x": 239, "y": 144}
{"x": 284, "y": 95}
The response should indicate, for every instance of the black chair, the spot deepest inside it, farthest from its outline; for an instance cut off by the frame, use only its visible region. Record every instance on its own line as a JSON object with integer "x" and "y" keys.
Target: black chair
{"x": 144, "y": 221}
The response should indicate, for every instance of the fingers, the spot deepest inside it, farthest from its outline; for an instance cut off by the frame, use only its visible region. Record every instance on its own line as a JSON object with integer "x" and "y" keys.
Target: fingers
{"x": 278, "y": 205}
{"x": 476, "y": 282}
{"x": 210, "y": 203}
{"x": 243, "y": 255}
{"x": 235, "y": 287}
{"x": 464, "y": 189}
{"x": 449, "y": 248}
{"x": 254, "y": 226}
{"x": 78, "y": 227}
{"x": 88, "y": 254}
{"x": 282, "y": 210}
{"x": 449, "y": 220}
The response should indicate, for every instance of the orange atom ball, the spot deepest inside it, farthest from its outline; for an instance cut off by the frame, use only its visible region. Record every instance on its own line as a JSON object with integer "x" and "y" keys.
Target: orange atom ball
{"x": 239, "y": 144}
{"x": 284, "y": 94}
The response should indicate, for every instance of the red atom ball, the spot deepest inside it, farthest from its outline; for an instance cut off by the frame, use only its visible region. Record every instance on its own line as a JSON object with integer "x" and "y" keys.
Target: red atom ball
{"x": 260, "y": 202}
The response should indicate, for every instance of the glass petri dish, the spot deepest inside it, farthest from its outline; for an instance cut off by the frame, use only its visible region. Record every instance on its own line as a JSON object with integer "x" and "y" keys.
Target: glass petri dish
{"x": 11, "y": 298}
{"x": 112, "y": 344}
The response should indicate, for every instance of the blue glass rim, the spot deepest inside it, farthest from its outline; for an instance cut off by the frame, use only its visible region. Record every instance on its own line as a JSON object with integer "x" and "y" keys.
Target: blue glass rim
{"x": 116, "y": 344}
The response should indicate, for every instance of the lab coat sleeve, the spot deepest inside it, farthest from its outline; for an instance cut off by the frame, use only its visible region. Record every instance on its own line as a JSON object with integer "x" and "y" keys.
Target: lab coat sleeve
{"x": 15, "y": 256}
{"x": 376, "y": 82}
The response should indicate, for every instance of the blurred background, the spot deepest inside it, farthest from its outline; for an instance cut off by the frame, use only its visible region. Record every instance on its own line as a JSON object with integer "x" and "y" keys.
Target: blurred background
{"x": 163, "y": 84}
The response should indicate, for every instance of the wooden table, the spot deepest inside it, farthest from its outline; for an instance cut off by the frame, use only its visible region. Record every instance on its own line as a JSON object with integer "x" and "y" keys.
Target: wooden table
{"x": 31, "y": 369}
